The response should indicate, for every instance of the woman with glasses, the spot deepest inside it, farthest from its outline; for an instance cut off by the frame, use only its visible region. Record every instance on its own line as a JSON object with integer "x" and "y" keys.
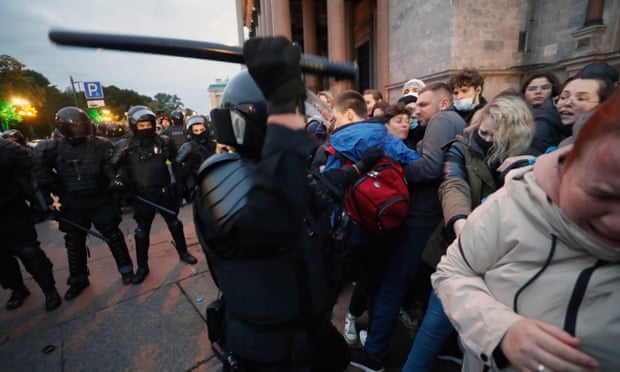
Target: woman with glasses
{"x": 581, "y": 94}
{"x": 539, "y": 90}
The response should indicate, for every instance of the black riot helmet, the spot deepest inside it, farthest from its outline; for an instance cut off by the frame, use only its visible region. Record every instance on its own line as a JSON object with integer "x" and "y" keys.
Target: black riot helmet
{"x": 241, "y": 120}
{"x": 194, "y": 120}
{"x": 132, "y": 110}
{"x": 144, "y": 114}
{"x": 73, "y": 123}
{"x": 176, "y": 117}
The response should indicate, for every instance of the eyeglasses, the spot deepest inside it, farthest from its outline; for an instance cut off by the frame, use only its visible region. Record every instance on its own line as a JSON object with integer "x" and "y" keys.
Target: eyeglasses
{"x": 533, "y": 88}
{"x": 577, "y": 100}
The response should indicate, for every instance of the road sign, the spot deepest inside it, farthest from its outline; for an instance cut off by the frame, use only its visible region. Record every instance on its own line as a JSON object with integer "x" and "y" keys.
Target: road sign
{"x": 92, "y": 90}
{"x": 96, "y": 103}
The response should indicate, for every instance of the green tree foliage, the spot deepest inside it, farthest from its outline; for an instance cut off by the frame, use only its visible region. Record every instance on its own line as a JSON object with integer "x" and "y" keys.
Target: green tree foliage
{"x": 16, "y": 81}
{"x": 167, "y": 103}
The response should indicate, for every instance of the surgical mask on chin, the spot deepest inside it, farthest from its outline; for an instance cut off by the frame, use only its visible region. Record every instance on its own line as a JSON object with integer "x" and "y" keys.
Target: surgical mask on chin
{"x": 465, "y": 104}
{"x": 413, "y": 123}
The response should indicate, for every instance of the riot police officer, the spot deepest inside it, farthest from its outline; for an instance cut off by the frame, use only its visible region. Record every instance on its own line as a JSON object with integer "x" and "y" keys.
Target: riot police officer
{"x": 19, "y": 237}
{"x": 76, "y": 167}
{"x": 191, "y": 154}
{"x": 259, "y": 225}
{"x": 144, "y": 164}
{"x": 176, "y": 131}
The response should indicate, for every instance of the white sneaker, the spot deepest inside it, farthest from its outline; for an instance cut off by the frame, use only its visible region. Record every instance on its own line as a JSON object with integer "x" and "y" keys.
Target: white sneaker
{"x": 350, "y": 331}
{"x": 363, "y": 337}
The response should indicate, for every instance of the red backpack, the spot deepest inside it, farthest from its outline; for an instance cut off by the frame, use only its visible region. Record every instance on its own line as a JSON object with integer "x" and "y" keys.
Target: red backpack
{"x": 378, "y": 201}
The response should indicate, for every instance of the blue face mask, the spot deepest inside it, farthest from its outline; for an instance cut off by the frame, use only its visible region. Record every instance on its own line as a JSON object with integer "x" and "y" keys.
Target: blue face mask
{"x": 413, "y": 123}
{"x": 465, "y": 104}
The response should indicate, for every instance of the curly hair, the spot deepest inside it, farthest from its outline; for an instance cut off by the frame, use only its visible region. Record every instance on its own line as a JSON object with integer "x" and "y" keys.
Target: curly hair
{"x": 515, "y": 127}
{"x": 467, "y": 78}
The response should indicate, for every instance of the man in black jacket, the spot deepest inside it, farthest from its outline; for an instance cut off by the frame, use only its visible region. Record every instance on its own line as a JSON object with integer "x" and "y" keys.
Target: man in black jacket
{"x": 144, "y": 164}
{"x": 76, "y": 168}
{"x": 264, "y": 231}
{"x": 19, "y": 237}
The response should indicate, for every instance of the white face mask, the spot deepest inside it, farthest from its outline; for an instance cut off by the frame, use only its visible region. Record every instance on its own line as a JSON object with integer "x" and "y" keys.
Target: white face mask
{"x": 465, "y": 104}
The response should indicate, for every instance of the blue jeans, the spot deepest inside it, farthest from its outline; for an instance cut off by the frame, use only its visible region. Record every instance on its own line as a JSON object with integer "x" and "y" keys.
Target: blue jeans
{"x": 405, "y": 256}
{"x": 433, "y": 333}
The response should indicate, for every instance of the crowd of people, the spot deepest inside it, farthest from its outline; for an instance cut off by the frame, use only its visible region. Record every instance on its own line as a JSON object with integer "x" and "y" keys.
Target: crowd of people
{"x": 80, "y": 180}
{"x": 510, "y": 244}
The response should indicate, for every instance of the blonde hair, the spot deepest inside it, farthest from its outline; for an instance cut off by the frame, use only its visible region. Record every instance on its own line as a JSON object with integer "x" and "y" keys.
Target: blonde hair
{"x": 515, "y": 127}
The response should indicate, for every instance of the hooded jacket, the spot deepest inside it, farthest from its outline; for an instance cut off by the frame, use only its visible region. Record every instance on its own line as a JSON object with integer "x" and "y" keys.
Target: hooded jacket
{"x": 352, "y": 141}
{"x": 519, "y": 256}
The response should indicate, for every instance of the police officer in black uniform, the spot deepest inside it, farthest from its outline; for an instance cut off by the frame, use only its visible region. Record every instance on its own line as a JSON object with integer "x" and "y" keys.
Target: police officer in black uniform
{"x": 144, "y": 165}
{"x": 18, "y": 237}
{"x": 76, "y": 167}
{"x": 260, "y": 226}
{"x": 191, "y": 154}
{"x": 176, "y": 131}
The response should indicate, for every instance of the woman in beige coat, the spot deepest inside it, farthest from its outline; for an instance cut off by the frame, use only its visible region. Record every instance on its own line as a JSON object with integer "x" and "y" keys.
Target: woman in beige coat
{"x": 533, "y": 282}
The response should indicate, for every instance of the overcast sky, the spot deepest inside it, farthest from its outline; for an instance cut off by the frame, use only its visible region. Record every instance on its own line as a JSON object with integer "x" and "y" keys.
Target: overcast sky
{"x": 24, "y": 27}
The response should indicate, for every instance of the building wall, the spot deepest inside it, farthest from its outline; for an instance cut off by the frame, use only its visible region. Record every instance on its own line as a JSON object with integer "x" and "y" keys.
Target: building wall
{"x": 431, "y": 39}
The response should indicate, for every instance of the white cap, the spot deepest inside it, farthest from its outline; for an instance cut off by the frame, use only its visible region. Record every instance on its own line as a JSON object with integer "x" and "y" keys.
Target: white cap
{"x": 413, "y": 83}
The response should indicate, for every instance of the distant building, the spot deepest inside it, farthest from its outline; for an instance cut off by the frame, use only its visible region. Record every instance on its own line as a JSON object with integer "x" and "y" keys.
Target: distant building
{"x": 215, "y": 92}
{"x": 393, "y": 41}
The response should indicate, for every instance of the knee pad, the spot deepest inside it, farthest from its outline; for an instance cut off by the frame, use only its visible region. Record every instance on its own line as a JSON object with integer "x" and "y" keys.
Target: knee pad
{"x": 30, "y": 252}
{"x": 175, "y": 225}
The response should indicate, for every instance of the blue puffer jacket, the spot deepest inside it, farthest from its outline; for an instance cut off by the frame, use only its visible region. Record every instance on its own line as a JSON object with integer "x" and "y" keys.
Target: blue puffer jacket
{"x": 352, "y": 141}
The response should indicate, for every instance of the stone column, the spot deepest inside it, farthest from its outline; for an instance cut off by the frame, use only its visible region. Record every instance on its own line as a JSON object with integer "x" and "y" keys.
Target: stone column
{"x": 382, "y": 43}
{"x": 281, "y": 18}
{"x": 336, "y": 47}
{"x": 310, "y": 42}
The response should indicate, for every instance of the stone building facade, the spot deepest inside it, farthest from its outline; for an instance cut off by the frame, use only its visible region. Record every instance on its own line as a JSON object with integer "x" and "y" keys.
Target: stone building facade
{"x": 395, "y": 40}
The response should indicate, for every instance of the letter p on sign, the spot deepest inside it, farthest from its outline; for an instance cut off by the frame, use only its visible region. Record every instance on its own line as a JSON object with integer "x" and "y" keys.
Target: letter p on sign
{"x": 92, "y": 90}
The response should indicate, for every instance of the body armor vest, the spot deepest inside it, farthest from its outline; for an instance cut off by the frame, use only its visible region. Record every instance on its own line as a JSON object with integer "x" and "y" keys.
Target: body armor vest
{"x": 289, "y": 287}
{"x": 177, "y": 134}
{"x": 80, "y": 168}
{"x": 13, "y": 185}
{"x": 146, "y": 164}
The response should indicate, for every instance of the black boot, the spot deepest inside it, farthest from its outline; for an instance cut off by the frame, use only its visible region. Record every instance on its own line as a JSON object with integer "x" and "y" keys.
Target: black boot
{"x": 127, "y": 277}
{"x": 188, "y": 258}
{"x": 141, "y": 273}
{"x": 52, "y": 299}
{"x": 176, "y": 230}
{"x": 76, "y": 289}
{"x": 119, "y": 250}
{"x": 17, "y": 298}
{"x": 142, "y": 255}
{"x": 78, "y": 271}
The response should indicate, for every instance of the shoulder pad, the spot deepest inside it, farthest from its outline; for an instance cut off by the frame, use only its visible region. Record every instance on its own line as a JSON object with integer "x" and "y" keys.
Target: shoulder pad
{"x": 220, "y": 158}
{"x": 224, "y": 181}
{"x": 46, "y": 145}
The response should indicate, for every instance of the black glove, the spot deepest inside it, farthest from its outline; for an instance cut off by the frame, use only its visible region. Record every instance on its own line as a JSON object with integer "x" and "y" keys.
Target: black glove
{"x": 273, "y": 63}
{"x": 370, "y": 158}
{"x": 173, "y": 191}
{"x": 118, "y": 183}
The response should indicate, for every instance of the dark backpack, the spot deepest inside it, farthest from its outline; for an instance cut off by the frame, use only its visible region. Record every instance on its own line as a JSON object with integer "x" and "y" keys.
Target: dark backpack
{"x": 378, "y": 201}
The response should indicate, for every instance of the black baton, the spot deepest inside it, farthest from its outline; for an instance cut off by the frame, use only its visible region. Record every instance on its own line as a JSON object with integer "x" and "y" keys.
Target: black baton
{"x": 89, "y": 232}
{"x": 193, "y": 49}
{"x": 152, "y": 204}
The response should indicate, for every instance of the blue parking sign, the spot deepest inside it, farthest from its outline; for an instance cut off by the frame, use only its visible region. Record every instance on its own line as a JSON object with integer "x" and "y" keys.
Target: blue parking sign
{"x": 92, "y": 90}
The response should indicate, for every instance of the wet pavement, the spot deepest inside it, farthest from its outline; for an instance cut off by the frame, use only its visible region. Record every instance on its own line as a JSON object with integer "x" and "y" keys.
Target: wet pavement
{"x": 158, "y": 325}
